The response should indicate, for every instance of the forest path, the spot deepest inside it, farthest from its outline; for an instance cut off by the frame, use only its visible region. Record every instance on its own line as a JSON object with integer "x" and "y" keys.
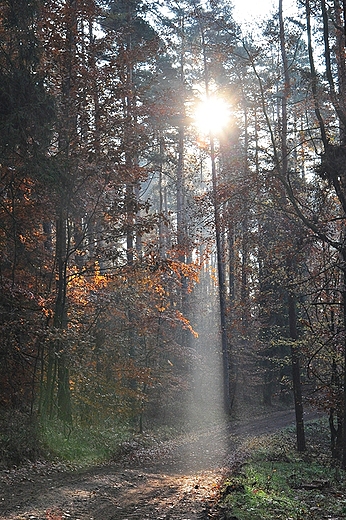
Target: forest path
{"x": 178, "y": 481}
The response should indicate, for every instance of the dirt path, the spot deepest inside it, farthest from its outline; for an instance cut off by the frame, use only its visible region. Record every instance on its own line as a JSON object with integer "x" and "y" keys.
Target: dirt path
{"x": 178, "y": 480}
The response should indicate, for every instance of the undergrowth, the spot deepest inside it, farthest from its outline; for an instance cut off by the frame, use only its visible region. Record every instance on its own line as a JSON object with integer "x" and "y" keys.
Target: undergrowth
{"x": 19, "y": 438}
{"x": 275, "y": 481}
{"x": 79, "y": 445}
{"x": 26, "y": 438}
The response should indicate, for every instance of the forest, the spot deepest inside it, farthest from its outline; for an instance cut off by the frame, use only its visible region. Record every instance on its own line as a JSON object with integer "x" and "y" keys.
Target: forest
{"x": 132, "y": 230}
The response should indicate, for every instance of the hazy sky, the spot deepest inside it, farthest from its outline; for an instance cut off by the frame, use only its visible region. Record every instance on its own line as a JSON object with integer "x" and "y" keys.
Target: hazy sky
{"x": 249, "y": 10}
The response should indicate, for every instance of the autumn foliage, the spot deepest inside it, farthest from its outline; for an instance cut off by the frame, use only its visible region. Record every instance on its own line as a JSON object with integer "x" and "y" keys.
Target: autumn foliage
{"x": 89, "y": 320}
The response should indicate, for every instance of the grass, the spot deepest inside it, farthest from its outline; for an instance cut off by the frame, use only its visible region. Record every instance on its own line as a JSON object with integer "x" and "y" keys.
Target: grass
{"x": 82, "y": 446}
{"x": 277, "y": 482}
{"x": 87, "y": 446}
{"x": 25, "y": 438}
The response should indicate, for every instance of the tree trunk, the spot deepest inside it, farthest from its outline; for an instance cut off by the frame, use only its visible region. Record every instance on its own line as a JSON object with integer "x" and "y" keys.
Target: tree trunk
{"x": 182, "y": 235}
{"x": 222, "y": 286}
{"x": 344, "y": 393}
{"x": 57, "y": 364}
{"x": 60, "y": 322}
{"x": 297, "y": 387}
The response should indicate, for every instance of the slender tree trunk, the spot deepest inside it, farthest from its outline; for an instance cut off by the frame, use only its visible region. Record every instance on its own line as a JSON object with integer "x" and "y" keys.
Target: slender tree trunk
{"x": 222, "y": 285}
{"x": 231, "y": 261}
{"x": 344, "y": 374}
{"x": 180, "y": 194}
{"x": 182, "y": 235}
{"x": 297, "y": 390}
{"x": 340, "y": 45}
{"x": 297, "y": 387}
{"x": 162, "y": 210}
{"x": 60, "y": 322}
{"x": 181, "y": 140}
{"x": 58, "y": 366}
{"x": 64, "y": 393}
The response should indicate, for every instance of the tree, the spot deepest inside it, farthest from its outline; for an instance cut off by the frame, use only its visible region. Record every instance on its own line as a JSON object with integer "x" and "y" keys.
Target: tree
{"x": 26, "y": 118}
{"x": 279, "y": 132}
{"x": 331, "y": 168}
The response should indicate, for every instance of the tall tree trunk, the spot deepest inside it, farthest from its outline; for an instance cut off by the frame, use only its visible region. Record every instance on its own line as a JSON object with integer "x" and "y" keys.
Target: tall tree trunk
{"x": 344, "y": 373}
{"x": 162, "y": 211}
{"x": 297, "y": 387}
{"x": 182, "y": 238}
{"x": 337, "y": 100}
{"x": 58, "y": 367}
{"x": 222, "y": 286}
{"x": 60, "y": 321}
{"x": 297, "y": 390}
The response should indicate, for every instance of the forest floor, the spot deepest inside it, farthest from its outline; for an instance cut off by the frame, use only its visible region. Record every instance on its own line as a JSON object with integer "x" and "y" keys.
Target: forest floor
{"x": 177, "y": 479}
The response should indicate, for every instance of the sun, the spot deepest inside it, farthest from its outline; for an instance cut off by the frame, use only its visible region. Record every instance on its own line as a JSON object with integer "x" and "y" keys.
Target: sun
{"x": 211, "y": 115}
